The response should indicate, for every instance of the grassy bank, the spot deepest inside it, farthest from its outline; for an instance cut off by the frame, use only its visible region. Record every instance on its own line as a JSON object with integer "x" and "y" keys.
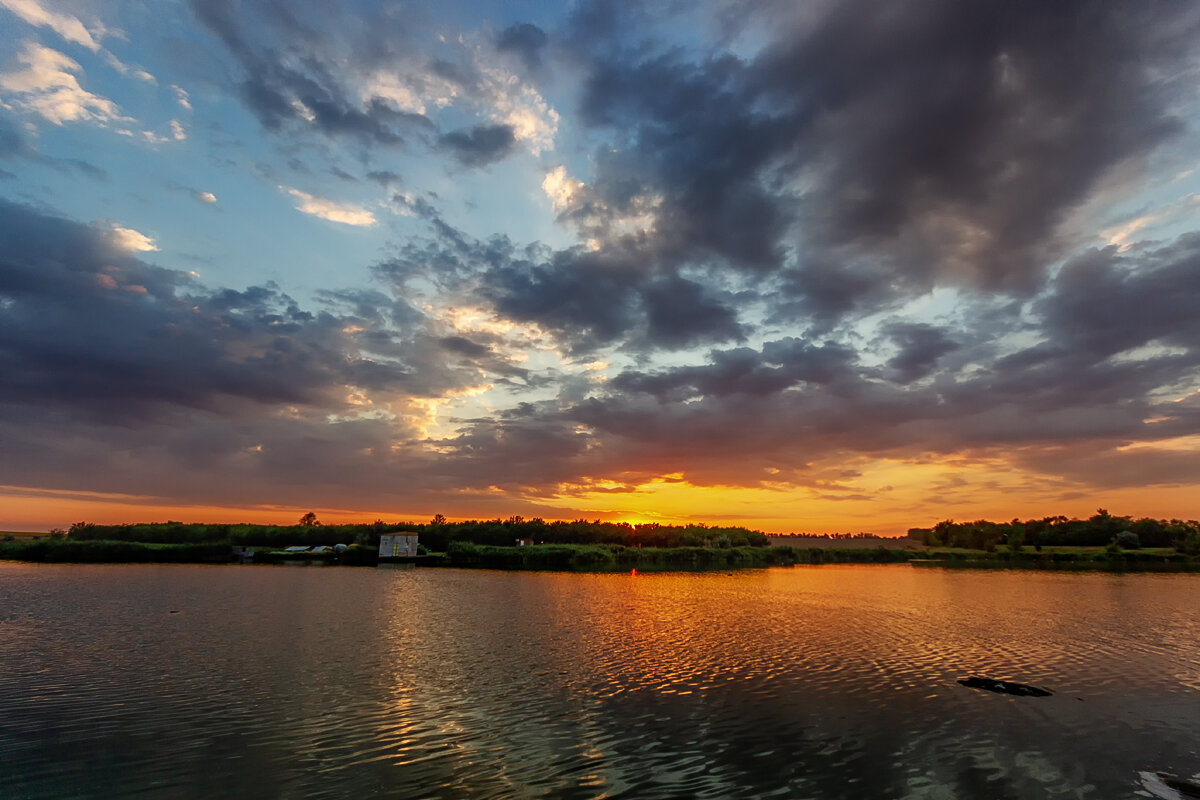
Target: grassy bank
{"x": 96, "y": 551}
{"x": 1064, "y": 558}
{"x": 601, "y": 557}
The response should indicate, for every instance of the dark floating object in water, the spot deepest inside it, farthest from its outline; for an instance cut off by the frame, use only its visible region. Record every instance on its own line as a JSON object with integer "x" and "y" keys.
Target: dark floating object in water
{"x": 1168, "y": 786}
{"x": 1004, "y": 687}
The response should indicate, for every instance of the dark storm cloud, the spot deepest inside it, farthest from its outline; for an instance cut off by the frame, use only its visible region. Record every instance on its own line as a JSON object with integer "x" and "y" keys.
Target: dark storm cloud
{"x": 1105, "y": 302}
{"x": 592, "y": 299}
{"x": 920, "y": 346}
{"x": 480, "y": 145}
{"x": 780, "y": 365}
{"x": 961, "y": 136}
{"x": 586, "y": 298}
{"x": 682, "y": 312}
{"x": 872, "y": 146}
{"x": 525, "y": 40}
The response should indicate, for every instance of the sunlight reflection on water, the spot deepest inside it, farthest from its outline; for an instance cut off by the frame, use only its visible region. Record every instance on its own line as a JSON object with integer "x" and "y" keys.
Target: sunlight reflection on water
{"x": 827, "y": 682}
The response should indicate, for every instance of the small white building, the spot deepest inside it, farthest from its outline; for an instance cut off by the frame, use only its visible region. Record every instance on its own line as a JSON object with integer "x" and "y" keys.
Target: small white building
{"x": 398, "y": 545}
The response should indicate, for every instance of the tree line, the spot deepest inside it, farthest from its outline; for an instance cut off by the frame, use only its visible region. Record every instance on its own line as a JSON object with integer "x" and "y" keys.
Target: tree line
{"x": 1102, "y": 529}
{"x": 437, "y": 534}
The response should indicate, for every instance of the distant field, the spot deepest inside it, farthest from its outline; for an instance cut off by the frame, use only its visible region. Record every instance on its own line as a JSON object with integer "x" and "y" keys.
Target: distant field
{"x": 22, "y": 534}
{"x": 812, "y": 542}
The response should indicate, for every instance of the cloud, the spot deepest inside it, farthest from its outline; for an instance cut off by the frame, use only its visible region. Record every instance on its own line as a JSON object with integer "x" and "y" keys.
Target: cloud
{"x": 182, "y": 97}
{"x": 14, "y": 143}
{"x": 131, "y": 241}
{"x": 863, "y": 156}
{"x": 525, "y": 40}
{"x": 919, "y": 346}
{"x": 209, "y": 394}
{"x": 69, "y": 28}
{"x": 1107, "y": 354}
{"x": 586, "y": 298}
{"x": 48, "y": 87}
{"x": 813, "y": 188}
{"x": 345, "y": 213}
{"x": 376, "y": 80}
{"x": 848, "y": 235}
{"x": 123, "y": 68}
{"x": 479, "y": 146}
{"x": 562, "y": 189}
{"x": 314, "y": 88}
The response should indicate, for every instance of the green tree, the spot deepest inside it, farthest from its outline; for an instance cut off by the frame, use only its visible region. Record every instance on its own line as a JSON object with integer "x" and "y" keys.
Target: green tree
{"x": 1016, "y": 537}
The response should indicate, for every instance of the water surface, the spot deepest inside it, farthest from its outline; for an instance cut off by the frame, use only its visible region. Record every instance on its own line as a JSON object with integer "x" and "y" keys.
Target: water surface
{"x": 825, "y": 682}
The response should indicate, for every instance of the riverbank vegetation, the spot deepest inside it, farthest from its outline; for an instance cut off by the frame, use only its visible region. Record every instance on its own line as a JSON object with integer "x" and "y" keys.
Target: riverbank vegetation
{"x": 436, "y": 534}
{"x": 602, "y": 557}
{"x": 1103, "y": 541}
{"x": 1102, "y": 529}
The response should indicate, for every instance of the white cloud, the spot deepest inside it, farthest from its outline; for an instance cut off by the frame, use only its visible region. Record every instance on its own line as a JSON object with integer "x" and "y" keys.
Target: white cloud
{"x": 499, "y": 96}
{"x": 131, "y": 240}
{"x": 598, "y": 221}
{"x": 123, "y": 68}
{"x": 345, "y": 213}
{"x": 205, "y": 197}
{"x": 303, "y": 110}
{"x": 182, "y": 97}
{"x": 178, "y": 134}
{"x": 408, "y": 90}
{"x": 35, "y": 12}
{"x": 47, "y": 86}
{"x": 513, "y": 103}
{"x": 561, "y": 188}
{"x": 66, "y": 26}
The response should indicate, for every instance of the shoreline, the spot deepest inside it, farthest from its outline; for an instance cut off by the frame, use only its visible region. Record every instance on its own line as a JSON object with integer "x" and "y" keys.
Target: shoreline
{"x": 604, "y": 557}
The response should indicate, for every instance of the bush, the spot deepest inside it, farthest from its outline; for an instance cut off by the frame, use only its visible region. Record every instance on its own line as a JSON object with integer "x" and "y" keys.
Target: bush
{"x": 1127, "y": 540}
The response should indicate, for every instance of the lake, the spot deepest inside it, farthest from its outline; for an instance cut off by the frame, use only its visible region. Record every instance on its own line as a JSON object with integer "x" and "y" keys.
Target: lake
{"x": 174, "y": 681}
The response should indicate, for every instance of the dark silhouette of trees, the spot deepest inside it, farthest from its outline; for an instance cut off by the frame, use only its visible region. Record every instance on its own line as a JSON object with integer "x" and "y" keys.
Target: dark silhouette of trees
{"x": 1099, "y": 530}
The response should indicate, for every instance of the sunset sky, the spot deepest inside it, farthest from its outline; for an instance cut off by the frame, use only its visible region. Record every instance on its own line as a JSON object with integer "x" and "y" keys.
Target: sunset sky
{"x": 801, "y": 266}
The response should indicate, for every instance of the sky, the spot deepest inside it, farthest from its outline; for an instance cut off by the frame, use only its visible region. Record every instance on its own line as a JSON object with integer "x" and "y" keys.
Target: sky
{"x": 801, "y": 266}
